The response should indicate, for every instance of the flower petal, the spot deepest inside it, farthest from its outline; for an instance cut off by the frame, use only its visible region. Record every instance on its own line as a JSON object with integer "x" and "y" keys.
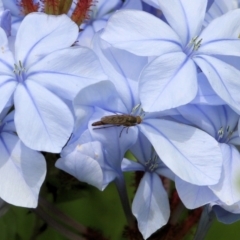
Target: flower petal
{"x": 224, "y": 216}
{"x": 6, "y": 56}
{"x": 131, "y": 166}
{"x": 217, "y": 9}
{"x": 227, "y": 189}
{"x": 8, "y": 123}
{"x": 235, "y": 137}
{"x": 226, "y": 40}
{"x": 167, "y": 82}
{"x": 194, "y": 196}
{"x": 82, "y": 164}
{"x": 7, "y": 77}
{"x": 184, "y": 16}
{"x": 12, "y": 6}
{"x": 223, "y": 78}
{"x": 45, "y": 115}
{"x": 150, "y": 205}
{"x": 22, "y": 172}
{"x": 103, "y": 95}
{"x": 66, "y": 72}
{"x": 132, "y": 4}
{"x": 5, "y": 22}
{"x": 213, "y": 118}
{"x": 142, "y": 149}
{"x": 149, "y": 35}
{"x": 205, "y": 94}
{"x": 115, "y": 63}
{"x": 7, "y": 88}
{"x": 153, "y": 3}
{"x": 105, "y": 7}
{"x": 190, "y": 153}
{"x": 40, "y": 34}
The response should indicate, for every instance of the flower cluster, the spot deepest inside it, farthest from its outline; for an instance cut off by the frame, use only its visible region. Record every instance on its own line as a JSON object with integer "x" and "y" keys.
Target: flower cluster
{"x": 158, "y": 78}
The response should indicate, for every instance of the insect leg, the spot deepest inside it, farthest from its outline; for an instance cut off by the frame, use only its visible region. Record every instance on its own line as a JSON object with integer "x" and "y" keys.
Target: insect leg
{"x": 121, "y": 132}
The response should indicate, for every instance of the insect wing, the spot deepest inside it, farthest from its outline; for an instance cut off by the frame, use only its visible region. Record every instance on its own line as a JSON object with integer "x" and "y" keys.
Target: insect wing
{"x": 114, "y": 119}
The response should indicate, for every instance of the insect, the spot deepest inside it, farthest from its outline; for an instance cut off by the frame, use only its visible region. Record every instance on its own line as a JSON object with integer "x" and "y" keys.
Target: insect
{"x": 125, "y": 120}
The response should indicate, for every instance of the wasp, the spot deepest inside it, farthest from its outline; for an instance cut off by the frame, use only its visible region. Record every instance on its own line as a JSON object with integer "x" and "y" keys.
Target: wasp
{"x": 125, "y": 120}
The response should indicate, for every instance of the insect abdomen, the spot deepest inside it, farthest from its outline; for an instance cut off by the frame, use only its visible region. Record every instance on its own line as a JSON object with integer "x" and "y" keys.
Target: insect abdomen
{"x": 99, "y": 123}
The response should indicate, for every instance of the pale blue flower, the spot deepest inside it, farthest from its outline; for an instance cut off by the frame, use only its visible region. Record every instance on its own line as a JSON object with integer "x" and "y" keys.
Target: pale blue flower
{"x": 44, "y": 73}
{"x": 221, "y": 123}
{"x": 170, "y": 80}
{"x": 150, "y": 204}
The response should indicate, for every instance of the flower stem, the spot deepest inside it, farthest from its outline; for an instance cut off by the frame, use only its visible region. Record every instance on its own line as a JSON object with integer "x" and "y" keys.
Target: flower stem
{"x": 205, "y": 223}
{"x": 122, "y": 191}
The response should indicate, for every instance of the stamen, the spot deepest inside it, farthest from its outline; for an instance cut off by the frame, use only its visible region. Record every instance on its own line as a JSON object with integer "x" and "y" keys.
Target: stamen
{"x": 196, "y": 44}
{"x": 18, "y": 69}
{"x": 20, "y": 64}
{"x": 152, "y": 163}
{"x": 193, "y": 40}
{"x": 28, "y": 6}
{"x": 220, "y": 133}
{"x": 228, "y": 128}
{"x": 137, "y": 110}
{"x": 230, "y": 134}
{"x": 81, "y": 11}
